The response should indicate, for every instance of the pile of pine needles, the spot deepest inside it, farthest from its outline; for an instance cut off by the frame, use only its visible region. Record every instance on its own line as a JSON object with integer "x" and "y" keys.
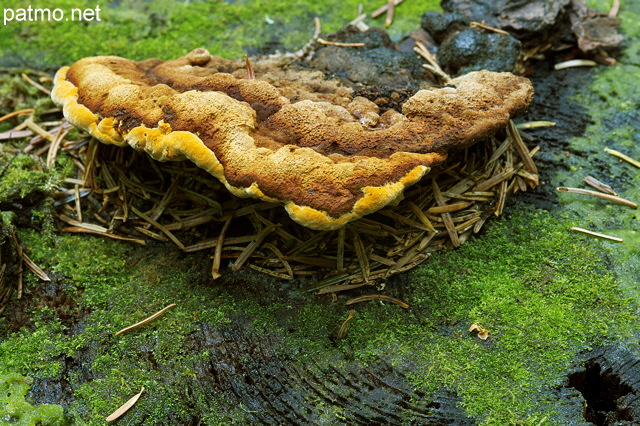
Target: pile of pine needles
{"x": 124, "y": 194}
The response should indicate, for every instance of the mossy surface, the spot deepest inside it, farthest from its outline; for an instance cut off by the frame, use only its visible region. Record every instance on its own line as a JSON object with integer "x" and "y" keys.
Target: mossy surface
{"x": 113, "y": 294}
{"x": 15, "y": 409}
{"x": 613, "y": 104}
{"x": 167, "y": 28}
{"x": 541, "y": 296}
{"x": 543, "y": 293}
{"x": 541, "y": 303}
{"x": 24, "y": 176}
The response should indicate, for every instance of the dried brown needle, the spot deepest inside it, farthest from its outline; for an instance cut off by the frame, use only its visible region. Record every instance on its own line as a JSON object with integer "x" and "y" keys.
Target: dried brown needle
{"x": 250, "y": 74}
{"x": 433, "y": 65}
{"x": 446, "y": 217}
{"x": 181, "y": 201}
{"x": 534, "y": 124}
{"x": 35, "y": 268}
{"x": 339, "y": 44}
{"x": 596, "y": 234}
{"x": 385, "y": 8}
{"x": 622, "y": 156}
{"x": 146, "y": 320}
{"x": 575, "y": 63}
{"x": 384, "y": 297}
{"x": 164, "y": 230}
{"x": 391, "y": 5}
{"x": 16, "y": 113}
{"x": 488, "y": 28}
{"x": 125, "y": 407}
{"x": 217, "y": 256}
{"x": 342, "y": 333}
{"x": 615, "y": 7}
{"x": 608, "y": 197}
{"x": 36, "y": 85}
{"x": 602, "y": 187}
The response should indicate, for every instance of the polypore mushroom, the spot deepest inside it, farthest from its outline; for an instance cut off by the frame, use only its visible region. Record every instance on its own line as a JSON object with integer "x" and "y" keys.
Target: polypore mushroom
{"x": 327, "y": 156}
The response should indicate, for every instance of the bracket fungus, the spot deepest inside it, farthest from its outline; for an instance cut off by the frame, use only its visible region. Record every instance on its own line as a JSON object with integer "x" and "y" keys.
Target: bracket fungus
{"x": 328, "y": 156}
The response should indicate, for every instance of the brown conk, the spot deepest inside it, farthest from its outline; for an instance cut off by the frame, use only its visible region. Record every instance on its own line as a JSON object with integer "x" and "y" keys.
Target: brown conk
{"x": 306, "y": 142}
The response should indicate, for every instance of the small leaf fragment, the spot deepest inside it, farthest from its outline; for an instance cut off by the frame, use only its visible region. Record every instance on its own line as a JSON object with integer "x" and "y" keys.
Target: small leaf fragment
{"x": 483, "y": 333}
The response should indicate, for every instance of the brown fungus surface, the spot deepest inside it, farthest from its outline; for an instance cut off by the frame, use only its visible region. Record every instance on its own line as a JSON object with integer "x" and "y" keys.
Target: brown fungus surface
{"x": 291, "y": 137}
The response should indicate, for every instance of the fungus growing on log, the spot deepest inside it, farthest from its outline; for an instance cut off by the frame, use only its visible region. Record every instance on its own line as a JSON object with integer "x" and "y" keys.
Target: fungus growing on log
{"x": 328, "y": 156}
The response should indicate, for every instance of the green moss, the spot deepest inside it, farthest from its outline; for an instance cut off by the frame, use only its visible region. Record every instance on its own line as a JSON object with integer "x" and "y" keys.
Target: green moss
{"x": 15, "y": 94}
{"x": 15, "y": 409}
{"x": 25, "y": 182}
{"x": 25, "y": 176}
{"x": 542, "y": 303}
{"x": 155, "y": 356}
{"x": 167, "y": 29}
{"x": 543, "y": 294}
{"x": 36, "y": 352}
{"x": 612, "y": 101}
{"x": 118, "y": 290}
